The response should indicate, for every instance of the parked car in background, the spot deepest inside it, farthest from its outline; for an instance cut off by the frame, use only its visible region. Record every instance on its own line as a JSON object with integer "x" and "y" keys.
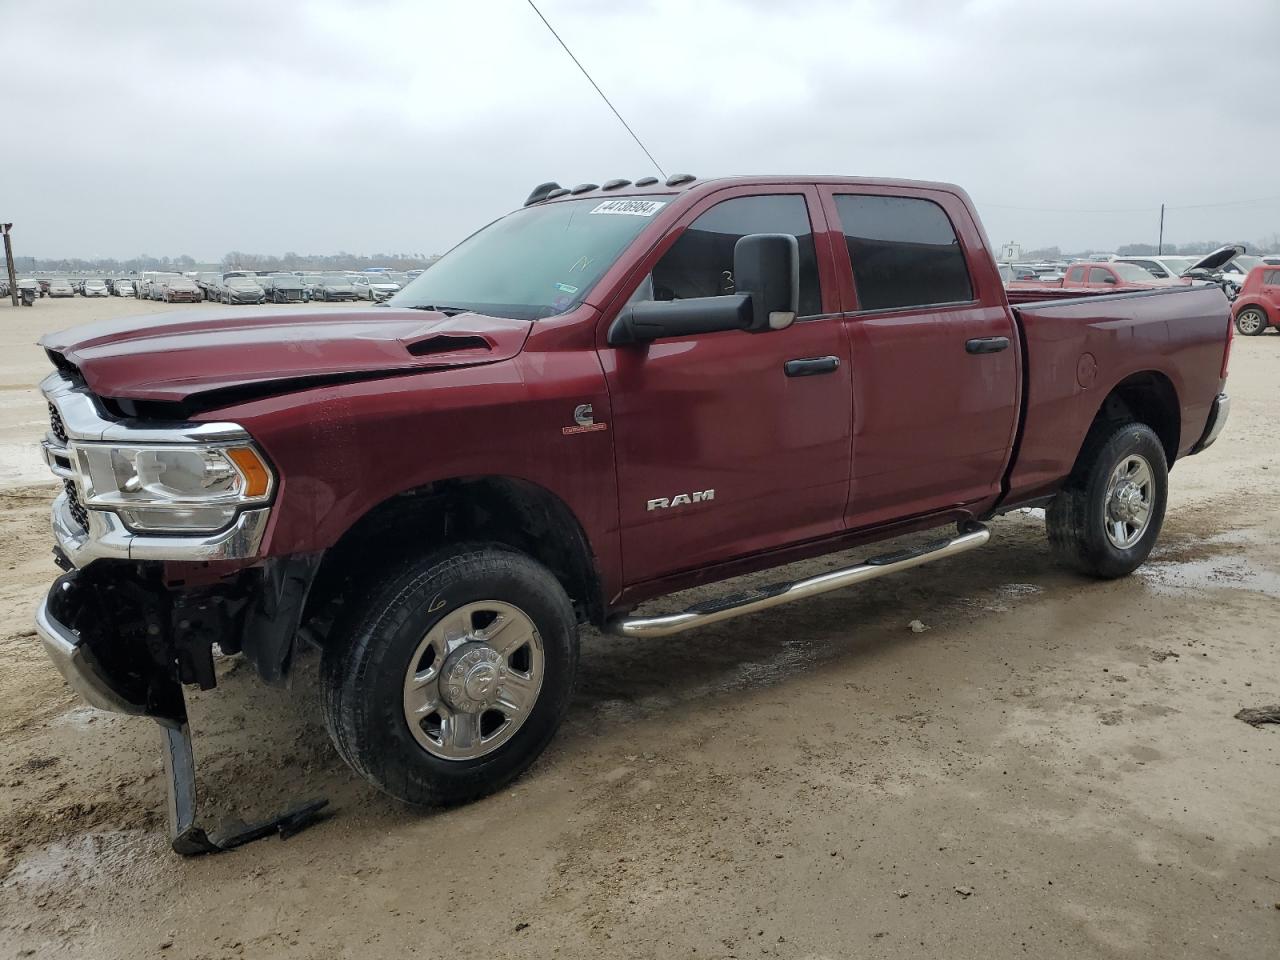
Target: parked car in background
{"x": 284, "y": 288}
{"x": 374, "y": 287}
{"x": 1115, "y": 275}
{"x": 42, "y": 284}
{"x": 61, "y": 287}
{"x": 180, "y": 290}
{"x": 123, "y": 287}
{"x": 241, "y": 289}
{"x": 1236, "y": 271}
{"x": 95, "y": 288}
{"x": 1258, "y": 305}
{"x": 333, "y": 288}
{"x": 310, "y": 281}
{"x": 1162, "y": 268}
{"x": 208, "y": 282}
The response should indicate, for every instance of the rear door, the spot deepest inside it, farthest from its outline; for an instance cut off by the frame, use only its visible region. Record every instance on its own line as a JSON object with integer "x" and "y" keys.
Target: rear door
{"x": 934, "y": 351}
{"x": 724, "y": 446}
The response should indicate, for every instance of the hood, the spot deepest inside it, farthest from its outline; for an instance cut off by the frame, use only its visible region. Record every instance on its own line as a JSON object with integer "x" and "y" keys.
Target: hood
{"x": 202, "y": 359}
{"x": 1218, "y": 259}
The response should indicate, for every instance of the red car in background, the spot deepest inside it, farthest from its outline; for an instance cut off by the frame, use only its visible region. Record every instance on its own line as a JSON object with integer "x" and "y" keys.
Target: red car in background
{"x": 1258, "y": 305}
{"x": 1115, "y": 276}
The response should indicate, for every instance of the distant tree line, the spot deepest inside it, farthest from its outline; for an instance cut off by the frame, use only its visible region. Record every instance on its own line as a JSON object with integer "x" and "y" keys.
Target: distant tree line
{"x": 1269, "y": 244}
{"x": 236, "y": 260}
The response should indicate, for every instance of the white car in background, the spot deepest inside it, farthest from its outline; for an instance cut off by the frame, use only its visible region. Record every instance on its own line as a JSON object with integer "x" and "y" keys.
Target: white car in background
{"x": 95, "y": 288}
{"x": 374, "y": 288}
{"x": 1162, "y": 268}
{"x": 60, "y": 287}
{"x": 124, "y": 288}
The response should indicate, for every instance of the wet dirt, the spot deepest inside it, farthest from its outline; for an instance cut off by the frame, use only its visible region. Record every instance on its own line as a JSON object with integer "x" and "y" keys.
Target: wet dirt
{"x": 1052, "y": 768}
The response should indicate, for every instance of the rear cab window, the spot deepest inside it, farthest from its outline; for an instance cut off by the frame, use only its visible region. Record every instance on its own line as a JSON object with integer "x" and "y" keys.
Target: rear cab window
{"x": 904, "y": 252}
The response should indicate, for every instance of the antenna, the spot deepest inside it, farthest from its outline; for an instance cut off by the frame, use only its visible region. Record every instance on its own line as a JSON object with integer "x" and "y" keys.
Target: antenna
{"x": 598, "y": 90}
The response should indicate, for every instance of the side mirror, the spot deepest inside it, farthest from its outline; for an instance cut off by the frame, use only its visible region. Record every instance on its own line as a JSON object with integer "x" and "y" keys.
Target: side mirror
{"x": 1110, "y": 279}
{"x": 766, "y": 278}
{"x": 766, "y": 267}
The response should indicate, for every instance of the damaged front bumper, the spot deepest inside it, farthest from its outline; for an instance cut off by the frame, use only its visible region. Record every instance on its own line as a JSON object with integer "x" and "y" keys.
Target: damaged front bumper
{"x": 125, "y": 658}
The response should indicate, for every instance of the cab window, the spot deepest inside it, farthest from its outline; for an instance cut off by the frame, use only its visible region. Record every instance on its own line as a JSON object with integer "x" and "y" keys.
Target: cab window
{"x": 700, "y": 263}
{"x": 904, "y": 252}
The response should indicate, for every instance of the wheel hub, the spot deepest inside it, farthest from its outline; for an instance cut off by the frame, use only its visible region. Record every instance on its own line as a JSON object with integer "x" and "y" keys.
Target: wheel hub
{"x": 471, "y": 679}
{"x": 1126, "y": 501}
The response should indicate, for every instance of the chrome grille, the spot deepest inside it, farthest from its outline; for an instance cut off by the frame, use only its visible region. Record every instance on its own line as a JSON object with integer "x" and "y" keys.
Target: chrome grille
{"x": 56, "y": 425}
{"x": 78, "y": 511}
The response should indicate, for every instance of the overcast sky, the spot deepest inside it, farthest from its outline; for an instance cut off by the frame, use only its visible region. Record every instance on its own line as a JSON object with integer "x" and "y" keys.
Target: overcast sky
{"x": 200, "y": 128}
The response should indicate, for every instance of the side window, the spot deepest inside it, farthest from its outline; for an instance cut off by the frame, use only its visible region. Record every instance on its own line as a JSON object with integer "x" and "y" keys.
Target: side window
{"x": 1100, "y": 275}
{"x": 904, "y": 252}
{"x": 1076, "y": 275}
{"x": 700, "y": 263}
{"x": 1271, "y": 277}
{"x": 1152, "y": 268}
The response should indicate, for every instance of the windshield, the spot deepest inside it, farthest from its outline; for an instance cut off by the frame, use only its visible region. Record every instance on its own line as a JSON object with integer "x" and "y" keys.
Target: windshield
{"x": 241, "y": 282}
{"x": 1246, "y": 263}
{"x": 537, "y": 262}
{"x": 336, "y": 282}
{"x": 311, "y": 279}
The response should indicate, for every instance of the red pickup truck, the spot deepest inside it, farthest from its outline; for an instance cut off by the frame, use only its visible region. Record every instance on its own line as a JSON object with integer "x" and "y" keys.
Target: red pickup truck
{"x": 609, "y": 395}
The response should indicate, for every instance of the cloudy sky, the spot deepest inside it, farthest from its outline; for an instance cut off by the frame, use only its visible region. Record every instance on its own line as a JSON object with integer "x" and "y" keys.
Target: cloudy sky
{"x": 203, "y": 127}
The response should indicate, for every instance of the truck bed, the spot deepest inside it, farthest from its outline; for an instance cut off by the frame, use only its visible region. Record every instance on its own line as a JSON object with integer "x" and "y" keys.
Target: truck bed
{"x": 1175, "y": 338}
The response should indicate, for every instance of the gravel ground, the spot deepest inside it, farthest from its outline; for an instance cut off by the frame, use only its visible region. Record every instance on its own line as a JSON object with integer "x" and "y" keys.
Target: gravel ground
{"x": 1051, "y": 769}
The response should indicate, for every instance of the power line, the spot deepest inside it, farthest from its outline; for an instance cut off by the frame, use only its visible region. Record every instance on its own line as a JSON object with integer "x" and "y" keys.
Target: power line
{"x": 598, "y": 90}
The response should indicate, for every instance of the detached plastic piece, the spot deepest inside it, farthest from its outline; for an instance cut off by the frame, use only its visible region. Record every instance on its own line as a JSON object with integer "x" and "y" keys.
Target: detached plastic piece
{"x": 188, "y": 839}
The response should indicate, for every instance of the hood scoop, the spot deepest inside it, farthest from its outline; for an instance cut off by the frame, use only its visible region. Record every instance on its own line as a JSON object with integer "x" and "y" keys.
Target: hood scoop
{"x": 435, "y": 344}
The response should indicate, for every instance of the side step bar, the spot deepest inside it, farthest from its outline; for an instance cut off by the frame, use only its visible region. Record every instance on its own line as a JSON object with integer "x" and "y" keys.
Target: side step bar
{"x": 969, "y": 537}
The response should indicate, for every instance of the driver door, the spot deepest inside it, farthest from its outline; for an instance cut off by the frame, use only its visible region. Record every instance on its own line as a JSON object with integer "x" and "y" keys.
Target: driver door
{"x": 725, "y": 445}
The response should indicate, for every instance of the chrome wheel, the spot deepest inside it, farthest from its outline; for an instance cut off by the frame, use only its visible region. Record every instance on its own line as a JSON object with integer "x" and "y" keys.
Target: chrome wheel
{"x": 473, "y": 680}
{"x": 1129, "y": 500}
{"x": 1250, "y": 322}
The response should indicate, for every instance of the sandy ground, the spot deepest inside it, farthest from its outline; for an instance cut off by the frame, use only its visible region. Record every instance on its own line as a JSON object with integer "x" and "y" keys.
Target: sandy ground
{"x": 1052, "y": 769}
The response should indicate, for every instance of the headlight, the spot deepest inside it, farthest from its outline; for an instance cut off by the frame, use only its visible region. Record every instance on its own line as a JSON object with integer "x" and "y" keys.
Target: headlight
{"x": 182, "y": 488}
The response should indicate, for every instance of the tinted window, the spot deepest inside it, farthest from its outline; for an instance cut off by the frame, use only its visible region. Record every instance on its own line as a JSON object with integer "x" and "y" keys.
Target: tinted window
{"x": 1271, "y": 276}
{"x": 1076, "y": 275}
{"x": 700, "y": 264}
{"x": 1099, "y": 275}
{"x": 904, "y": 252}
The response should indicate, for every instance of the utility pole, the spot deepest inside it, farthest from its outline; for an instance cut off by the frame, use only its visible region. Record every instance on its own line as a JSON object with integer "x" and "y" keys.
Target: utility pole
{"x": 1160, "y": 243}
{"x": 8, "y": 260}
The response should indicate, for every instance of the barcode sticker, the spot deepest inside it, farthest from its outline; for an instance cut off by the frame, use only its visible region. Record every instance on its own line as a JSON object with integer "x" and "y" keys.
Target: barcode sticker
{"x": 631, "y": 208}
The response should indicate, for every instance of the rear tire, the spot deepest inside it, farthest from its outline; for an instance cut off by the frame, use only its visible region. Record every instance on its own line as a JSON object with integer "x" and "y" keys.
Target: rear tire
{"x": 1106, "y": 520}
{"x": 430, "y": 615}
{"x": 1251, "y": 322}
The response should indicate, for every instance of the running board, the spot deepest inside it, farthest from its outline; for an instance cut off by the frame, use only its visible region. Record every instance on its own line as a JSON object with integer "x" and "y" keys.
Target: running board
{"x": 969, "y": 537}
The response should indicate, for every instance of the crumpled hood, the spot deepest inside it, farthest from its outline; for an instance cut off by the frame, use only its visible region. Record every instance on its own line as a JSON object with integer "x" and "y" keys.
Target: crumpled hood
{"x": 182, "y": 356}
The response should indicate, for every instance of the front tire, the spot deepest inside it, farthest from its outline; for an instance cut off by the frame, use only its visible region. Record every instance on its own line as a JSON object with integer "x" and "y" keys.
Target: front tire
{"x": 1105, "y": 522}
{"x": 453, "y": 677}
{"x": 1251, "y": 321}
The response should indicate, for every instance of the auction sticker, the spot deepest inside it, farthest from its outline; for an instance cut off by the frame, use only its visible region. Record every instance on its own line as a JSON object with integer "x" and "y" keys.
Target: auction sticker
{"x": 631, "y": 208}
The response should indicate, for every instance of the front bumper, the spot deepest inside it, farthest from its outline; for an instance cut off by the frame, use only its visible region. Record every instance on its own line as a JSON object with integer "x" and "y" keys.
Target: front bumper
{"x": 1217, "y": 420}
{"x": 74, "y": 659}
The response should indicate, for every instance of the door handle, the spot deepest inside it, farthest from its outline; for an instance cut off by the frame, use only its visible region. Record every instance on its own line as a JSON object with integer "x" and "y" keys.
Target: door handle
{"x": 811, "y": 367}
{"x": 986, "y": 344}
